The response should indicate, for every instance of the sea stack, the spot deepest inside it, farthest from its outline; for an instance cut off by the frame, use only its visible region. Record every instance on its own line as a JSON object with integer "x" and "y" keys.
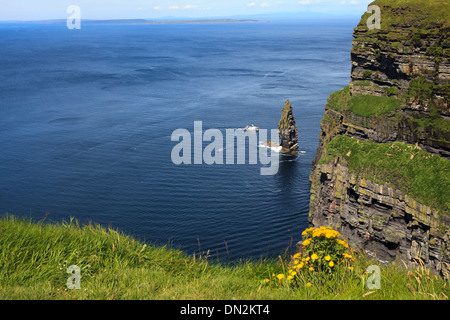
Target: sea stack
{"x": 287, "y": 130}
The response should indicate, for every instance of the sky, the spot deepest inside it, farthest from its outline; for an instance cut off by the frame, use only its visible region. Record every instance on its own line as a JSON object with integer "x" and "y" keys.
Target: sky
{"x": 155, "y": 9}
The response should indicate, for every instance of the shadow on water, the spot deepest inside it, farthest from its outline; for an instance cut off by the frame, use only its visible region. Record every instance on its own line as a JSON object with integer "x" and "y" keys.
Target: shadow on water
{"x": 288, "y": 171}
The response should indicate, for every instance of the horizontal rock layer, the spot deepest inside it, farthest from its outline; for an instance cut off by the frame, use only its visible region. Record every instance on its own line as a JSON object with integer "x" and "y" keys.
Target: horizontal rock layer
{"x": 382, "y": 221}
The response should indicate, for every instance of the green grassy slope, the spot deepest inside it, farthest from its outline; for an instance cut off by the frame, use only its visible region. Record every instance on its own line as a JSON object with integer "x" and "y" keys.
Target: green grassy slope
{"x": 34, "y": 258}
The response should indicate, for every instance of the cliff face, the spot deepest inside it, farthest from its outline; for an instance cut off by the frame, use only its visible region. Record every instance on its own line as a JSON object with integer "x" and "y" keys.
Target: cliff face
{"x": 378, "y": 218}
{"x": 381, "y": 174}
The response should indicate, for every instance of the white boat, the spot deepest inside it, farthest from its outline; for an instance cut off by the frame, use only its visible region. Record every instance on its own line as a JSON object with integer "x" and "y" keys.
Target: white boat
{"x": 251, "y": 128}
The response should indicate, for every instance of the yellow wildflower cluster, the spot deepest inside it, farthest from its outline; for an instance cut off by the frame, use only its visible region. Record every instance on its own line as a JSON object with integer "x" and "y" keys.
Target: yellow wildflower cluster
{"x": 298, "y": 262}
{"x": 324, "y": 253}
{"x": 325, "y": 231}
{"x": 304, "y": 233}
{"x": 323, "y": 248}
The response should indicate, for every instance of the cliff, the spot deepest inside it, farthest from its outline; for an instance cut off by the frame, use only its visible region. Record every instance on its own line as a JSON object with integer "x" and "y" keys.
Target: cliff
{"x": 381, "y": 174}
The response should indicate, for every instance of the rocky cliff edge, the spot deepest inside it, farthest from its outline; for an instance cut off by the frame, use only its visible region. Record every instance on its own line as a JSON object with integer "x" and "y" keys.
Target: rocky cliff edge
{"x": 381, "y": 175}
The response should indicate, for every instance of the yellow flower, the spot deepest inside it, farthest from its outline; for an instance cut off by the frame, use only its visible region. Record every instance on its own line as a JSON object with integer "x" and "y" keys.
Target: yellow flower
{"x": 311, "y": 269}
{"x": 289, "y": 278}
{"x": 350, "y": 268}
{"x": 332, "y": 234}
{"x": 325, "y": 231}
{"x": 293, "y": 273}
{"x": 300, "y": 265}
{"x": 280, "y": 276}
{"x": 307, "y": 231}
{"x": 308, "y": 284}
{"x": 306, "y": 242}
{"x": 314, "y": 256}
{"x": 342, "y": 243}
{"x": 331, "y": 264}
{"x": 327, "y": 258}
{"x": 267, "y": 280}
{"x": 307, "y": 259}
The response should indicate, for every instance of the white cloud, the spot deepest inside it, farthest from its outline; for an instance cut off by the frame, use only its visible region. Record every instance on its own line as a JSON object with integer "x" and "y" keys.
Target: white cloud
{"x": 157, "y": 8}
{"x": 352, "y": 2}
{"x": 186, "y": 7}
{"x": 306, "y": 2}
{"x": 264, "y": 4}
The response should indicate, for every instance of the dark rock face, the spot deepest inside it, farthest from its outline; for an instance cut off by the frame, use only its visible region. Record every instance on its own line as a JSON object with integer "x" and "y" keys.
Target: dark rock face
{"x": 378, "y": 219}
{"x": 287, "y": 129}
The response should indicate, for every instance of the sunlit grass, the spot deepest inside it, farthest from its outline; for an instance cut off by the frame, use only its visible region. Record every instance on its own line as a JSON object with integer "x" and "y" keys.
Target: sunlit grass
{"x": 362, "y": 105}
{"x": 34, "y": 257}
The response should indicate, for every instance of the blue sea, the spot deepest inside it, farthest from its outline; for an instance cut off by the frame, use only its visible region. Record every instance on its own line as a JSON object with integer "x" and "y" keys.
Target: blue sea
{"x": 86, "y": 118}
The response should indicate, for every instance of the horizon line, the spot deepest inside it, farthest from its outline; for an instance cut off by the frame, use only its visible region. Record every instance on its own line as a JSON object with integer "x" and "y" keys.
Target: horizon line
{"x": 256, "y": 17}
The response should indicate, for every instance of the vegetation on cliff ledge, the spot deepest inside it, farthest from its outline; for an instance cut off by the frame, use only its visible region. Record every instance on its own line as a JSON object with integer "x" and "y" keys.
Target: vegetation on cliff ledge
{"x": 425, "y": 14}
{"x": 363, "y": 105}
{"x": 406, "y": 167}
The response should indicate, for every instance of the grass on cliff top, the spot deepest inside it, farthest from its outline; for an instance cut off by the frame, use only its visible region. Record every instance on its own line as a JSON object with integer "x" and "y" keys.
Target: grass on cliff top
{"x": 417, "y": 13}
{"x": 363, "y": 105}
{"x": 34, "y": 257}
{"x": 423, "y": 176}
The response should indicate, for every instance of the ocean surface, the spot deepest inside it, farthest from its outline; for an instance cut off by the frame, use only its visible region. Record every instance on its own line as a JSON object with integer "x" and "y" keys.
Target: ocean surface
{"x": 86, "y": 118}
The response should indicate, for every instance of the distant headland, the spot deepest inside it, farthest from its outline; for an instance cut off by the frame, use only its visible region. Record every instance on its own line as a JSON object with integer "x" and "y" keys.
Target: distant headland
{"x": 145, "y": 21}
